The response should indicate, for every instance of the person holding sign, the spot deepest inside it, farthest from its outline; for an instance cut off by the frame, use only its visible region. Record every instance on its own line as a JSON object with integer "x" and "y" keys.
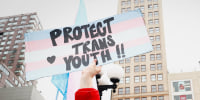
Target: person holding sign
{"x": 86, "y": 91}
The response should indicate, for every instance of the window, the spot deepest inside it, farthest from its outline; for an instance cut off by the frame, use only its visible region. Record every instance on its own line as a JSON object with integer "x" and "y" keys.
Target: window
{"x": 128, "y": 2}
{"x": 141, "y": 1}
{"x": 16, "y": 18}
{"x": 160, "y": 88}
{"x": 149, "y": 7}
{"x": 161, "y": 98}
{"x": 143, "y": 58}
{"x": 16, "y": 82}
{"x": 137, "y": 99}
{"x": 8, "y": 83}
{"x": 128, "y": 60}
{"x": 10, "y": 61}
{"x": 153, "y": 77}
{"x": 10, "y": 37}
{"x": 155, "y": 6}
{"x": 18, "y": 36}
{"x": 11, "y": 19}
{"x": 156, "y": 13}
{"x": 7, "y": 47}
{"x": 160, "y": 77}
{"x": 151, "y": 38}
{"x": 127, "y": 79}
{"x": 0, "y": 75}
{"x": 136, "y": 1}
{"x": 20, "y": 79}
{"x": 182, "y": 86}
{"x": 150, "y": 30}
{"x": 127, "y": 69}
{"x": 19, "y": 71}
{"x": 143, "y": 68}
{"x": 158, "y": 56}
{"x": 4, "y": 57}
{"x": 123, "y": 3}
{"x": 136, "y": 7}
{"x": 137, "y": 79}
{"x": 136, "y": 68}
{"x": 2, "y": 43}
{"x": 120, "y": 91}
{"x": 9, "y": 42}
{"x": 152, "y": 57}
{"x": 152, "y": 67}
{"x": 144, "y": 78}
{"x": 136, "y": 58}
{"x": 137, "y": 89}
{"x": 144, "y": 98}
{"x": 3, "y": 69}
{"x": 121, "y": 61}
{"x": 153, "y": 88}
{"x": 4, "y": 38}
{"x": 156, "y": 21}
{"x": 142, "y": 8}
{"x": 150, "y": 14}
{"x": 129, "y": 9}
{"x": 159, "y": 66}
{"x": 157, "y": 38}
{"x": 127, "y": 90}
{"x": 19, "y": 85}
{"x": 153, "y": 98}
{"x": 157, "y": 29}
{"x": 150, "y": 22}
{"x": 24, "y": 17}
{"x": 144, "y": 89}
{"x": 183, "y": 97}
{"x": 158, "y": 47}
{"x": 155, "y": 0}
{"x": 121, "y": 80}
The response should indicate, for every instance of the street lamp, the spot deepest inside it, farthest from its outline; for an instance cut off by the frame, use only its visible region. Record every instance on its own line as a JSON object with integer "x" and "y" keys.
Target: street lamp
{"x": 109, "y": 77}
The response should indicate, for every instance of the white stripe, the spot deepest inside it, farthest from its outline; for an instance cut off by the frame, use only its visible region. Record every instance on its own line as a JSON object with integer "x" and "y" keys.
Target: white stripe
{"x": 64, "y": 50}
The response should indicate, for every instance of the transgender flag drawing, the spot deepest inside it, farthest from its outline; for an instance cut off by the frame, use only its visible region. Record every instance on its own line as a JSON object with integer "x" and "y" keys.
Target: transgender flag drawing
{"x": 43, "y": 59}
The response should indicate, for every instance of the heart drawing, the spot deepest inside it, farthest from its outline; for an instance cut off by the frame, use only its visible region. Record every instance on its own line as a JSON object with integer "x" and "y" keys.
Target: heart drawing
{"x": 51, "y": 59}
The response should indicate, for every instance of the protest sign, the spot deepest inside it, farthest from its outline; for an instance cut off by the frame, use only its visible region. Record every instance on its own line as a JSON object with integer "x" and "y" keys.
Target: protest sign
{"x": 72, "y": 48}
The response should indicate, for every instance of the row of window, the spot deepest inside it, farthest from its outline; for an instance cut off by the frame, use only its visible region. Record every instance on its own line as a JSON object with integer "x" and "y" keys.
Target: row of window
{"x": 10, "y": 37}
{"x": 143, "y": 57}
{"x": 155, "y": 38}
{"x": 142, "y": 1}
{"x": 142, "y": 78}
{"x": 154, "y": 30}
{"x": 141, "y": 89}
{"x": 155, "y": 21}
{"x": 142, "y": 68}
{"x": 145, "y": 98}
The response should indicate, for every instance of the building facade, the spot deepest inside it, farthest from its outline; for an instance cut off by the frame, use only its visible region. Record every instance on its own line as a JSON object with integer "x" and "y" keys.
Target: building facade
{"x": 24, "y": 93}
{"x": 184, "y": 86}
{"x": 12, "y": 46}
{"x": 146, "y": 75}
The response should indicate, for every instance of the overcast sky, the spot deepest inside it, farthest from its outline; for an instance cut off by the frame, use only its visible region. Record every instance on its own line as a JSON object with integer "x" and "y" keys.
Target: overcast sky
{"x": 181, "y": 23}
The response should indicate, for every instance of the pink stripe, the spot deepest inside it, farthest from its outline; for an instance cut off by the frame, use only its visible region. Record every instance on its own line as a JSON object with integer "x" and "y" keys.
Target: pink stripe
{"x": 116, "y": 28}
{"x": 43, "y": 63}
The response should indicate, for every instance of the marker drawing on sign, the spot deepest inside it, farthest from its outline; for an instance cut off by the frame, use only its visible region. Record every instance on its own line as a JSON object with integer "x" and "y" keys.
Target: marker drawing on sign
{"x": 122, "y": 51}
{"x": 51, "y": 59}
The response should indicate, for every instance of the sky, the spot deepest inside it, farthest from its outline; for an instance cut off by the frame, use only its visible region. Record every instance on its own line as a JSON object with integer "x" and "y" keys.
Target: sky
{"x": 180, "y": 17}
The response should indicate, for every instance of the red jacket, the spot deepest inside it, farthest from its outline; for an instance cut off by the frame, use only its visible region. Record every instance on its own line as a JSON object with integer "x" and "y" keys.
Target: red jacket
{"x": 87, "y": 94}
